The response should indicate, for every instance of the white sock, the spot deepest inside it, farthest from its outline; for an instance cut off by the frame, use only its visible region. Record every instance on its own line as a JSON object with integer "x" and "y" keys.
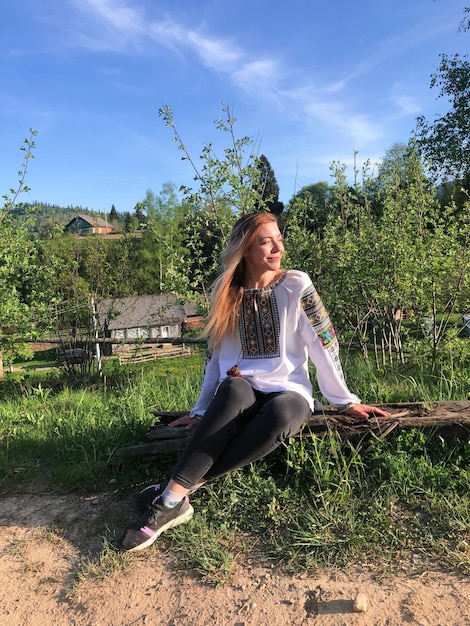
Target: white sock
{"x": 171, "y": 499}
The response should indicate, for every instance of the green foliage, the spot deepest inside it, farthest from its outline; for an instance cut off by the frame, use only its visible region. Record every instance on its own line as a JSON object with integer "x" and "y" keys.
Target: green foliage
{"x": 315, "y": 203}
{"x": 229, "y": 186}
{"x": 229, "y": 182}
{"x": 25, "y": 280}
{"x": 385, "y": 255}
{"x": 302, "y": 239}
{"x": 413, "y": 464}
{"x": 48, "y": 220}
{"x": 211, "y": 546}
{"x": 445, "y": 140}
{"x": 204, "y": 236}
{"x": 67, "y": 435}
{"x": 410, "y": 258}
{"x": 98, "y": 570}
{"x": 268, "y": 188}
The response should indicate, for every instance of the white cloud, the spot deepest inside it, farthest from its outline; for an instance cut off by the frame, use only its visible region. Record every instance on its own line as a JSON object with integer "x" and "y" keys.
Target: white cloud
{"x": 403, "y": 99}
{"x": 120, "y": 26}
{"x": 323, "y": 112}
{"x": 128, "y": 20}
{"x": 257, "y": 75}
{"x": 406, "y": 104}
{"x": 216, "y": 54}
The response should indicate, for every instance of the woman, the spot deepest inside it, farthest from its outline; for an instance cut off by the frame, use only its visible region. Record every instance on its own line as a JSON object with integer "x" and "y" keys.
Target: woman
{"x": 264, "y": 324}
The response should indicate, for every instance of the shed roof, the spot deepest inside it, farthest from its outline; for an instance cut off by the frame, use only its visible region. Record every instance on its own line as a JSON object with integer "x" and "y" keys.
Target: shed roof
{"x": 96, "y": 222}
{"x": 143, "y": 311}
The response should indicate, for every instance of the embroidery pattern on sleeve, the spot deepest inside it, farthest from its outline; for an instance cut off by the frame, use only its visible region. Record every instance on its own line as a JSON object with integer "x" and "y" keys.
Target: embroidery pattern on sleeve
{"x": 259, "y": 325}
{"x": 321, "y": 323}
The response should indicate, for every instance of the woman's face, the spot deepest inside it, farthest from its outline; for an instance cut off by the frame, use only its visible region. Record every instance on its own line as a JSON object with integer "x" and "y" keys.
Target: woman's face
{"x": 266, "y": 251}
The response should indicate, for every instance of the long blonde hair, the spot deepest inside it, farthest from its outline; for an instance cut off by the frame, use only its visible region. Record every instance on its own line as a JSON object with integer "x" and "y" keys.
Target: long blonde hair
{"x": 227, "y": 291}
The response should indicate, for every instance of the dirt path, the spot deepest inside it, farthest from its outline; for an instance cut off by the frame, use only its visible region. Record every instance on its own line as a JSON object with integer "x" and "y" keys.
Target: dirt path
{"x": 46, "y": 539}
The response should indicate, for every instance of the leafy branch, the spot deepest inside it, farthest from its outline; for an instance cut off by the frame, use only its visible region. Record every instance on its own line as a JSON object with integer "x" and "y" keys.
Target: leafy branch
{"x": 227, "y": 182}
{"x": 10, "y": 201}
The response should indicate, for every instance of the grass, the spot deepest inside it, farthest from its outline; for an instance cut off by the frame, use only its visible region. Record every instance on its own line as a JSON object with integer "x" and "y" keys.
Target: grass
{"x": 39, "y": 358}
{"x": 108, "y": 561}
{"x": 67, "y": 436}
{"x": 314, "y": 501}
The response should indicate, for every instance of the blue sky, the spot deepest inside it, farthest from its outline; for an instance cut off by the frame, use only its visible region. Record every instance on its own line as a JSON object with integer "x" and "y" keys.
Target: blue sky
{"x": 311, "y": 81}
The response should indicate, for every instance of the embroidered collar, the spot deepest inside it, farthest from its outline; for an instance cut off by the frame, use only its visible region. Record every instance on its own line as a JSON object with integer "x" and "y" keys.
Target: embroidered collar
{"x": 270, "y": 287}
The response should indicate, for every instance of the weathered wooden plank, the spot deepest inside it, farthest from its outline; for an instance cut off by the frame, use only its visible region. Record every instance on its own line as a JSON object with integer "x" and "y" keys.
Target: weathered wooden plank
{"x": 155, "y": 447}
{"x": 452, "y": 418}
{"x": 448, "y": 418}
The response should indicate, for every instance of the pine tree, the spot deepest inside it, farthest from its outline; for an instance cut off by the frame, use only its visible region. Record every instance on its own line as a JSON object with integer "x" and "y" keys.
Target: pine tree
{"x": 139, "y": 213}
{"x": 268, "y": 188}
{"x": 113, "y": 214}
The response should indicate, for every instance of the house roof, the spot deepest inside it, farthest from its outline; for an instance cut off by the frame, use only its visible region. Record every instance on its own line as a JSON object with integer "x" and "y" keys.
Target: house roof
{"x": 143, "y": 311}
{"x": 96, "y": 222}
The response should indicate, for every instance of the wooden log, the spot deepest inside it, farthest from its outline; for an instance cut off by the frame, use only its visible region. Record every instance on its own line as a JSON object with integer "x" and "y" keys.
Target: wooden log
{"x": 449, "y": 419}
{"x": 155, "y": 447}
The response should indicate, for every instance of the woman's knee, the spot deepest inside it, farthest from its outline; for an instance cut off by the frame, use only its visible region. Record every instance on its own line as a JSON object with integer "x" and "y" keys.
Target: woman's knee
{"x": 237, "y": 388}
{"x": 287, "y": 414}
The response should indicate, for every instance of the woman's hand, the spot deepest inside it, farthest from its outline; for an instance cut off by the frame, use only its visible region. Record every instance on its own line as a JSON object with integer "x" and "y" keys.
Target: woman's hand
{"x": 364, "y": 410}
{"x": 185, "y": 420}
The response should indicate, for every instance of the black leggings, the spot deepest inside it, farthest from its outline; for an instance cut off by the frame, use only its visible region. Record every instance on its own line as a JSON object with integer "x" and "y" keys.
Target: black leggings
{"x": 240, "y": 425}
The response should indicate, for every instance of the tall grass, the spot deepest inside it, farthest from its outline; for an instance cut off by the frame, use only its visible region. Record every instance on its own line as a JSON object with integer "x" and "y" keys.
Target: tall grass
{"x": 68, "y": 436}
{"x": 315, "y": 500}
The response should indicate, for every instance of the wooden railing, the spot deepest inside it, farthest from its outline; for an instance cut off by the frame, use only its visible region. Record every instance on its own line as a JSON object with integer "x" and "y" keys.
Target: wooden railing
{"x": 140, "y": 355}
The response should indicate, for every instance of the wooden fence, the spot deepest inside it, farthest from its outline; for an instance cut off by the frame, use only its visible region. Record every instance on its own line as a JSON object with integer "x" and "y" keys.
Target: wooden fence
{"x": 141, "y": 355}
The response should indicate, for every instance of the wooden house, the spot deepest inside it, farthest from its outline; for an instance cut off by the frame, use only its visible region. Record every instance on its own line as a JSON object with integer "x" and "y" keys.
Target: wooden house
{"x": 149, "y": 317}
{"x": 88, "y": 225}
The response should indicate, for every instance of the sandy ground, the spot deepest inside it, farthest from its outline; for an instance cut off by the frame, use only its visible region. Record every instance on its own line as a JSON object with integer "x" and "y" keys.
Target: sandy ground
{"x": 47, "y": 540}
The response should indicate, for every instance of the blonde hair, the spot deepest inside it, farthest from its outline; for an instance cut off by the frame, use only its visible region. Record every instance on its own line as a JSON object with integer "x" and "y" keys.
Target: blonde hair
{"x": 227, "y": 291}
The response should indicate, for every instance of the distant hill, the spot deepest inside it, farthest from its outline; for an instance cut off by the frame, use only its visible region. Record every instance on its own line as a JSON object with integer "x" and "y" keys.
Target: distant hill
{"x": 46, "y": 217}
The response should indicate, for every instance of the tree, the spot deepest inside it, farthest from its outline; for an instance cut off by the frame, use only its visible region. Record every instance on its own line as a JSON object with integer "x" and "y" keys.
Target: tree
{"x": 396, "y": 166}
{"x": 303, "y": 248}
{"x": 317, "y": 201}
{"x": 139, "y": 213}
{"x": 229, "y": 182}
{"x": 129, "y": 222}
{"x": 114, "y": 216}
{"x": 159, "y": 253}
{"x": 412, "y": 257}
{"x": 204, "y": 237}
{"x": 445, "y": 141}
{"x": 25, "y": 274}
{"x": 267, "y": 188}
{"x": 227, "y": 187}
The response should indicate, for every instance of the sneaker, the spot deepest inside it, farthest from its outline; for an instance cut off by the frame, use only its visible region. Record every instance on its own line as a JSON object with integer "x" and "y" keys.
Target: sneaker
{"x": 151, "y": 524}
{"x": 145, "y": 498}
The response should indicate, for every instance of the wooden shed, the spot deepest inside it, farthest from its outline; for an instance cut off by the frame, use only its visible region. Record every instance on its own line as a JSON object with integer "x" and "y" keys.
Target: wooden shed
{"x": 88, "y": 225}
